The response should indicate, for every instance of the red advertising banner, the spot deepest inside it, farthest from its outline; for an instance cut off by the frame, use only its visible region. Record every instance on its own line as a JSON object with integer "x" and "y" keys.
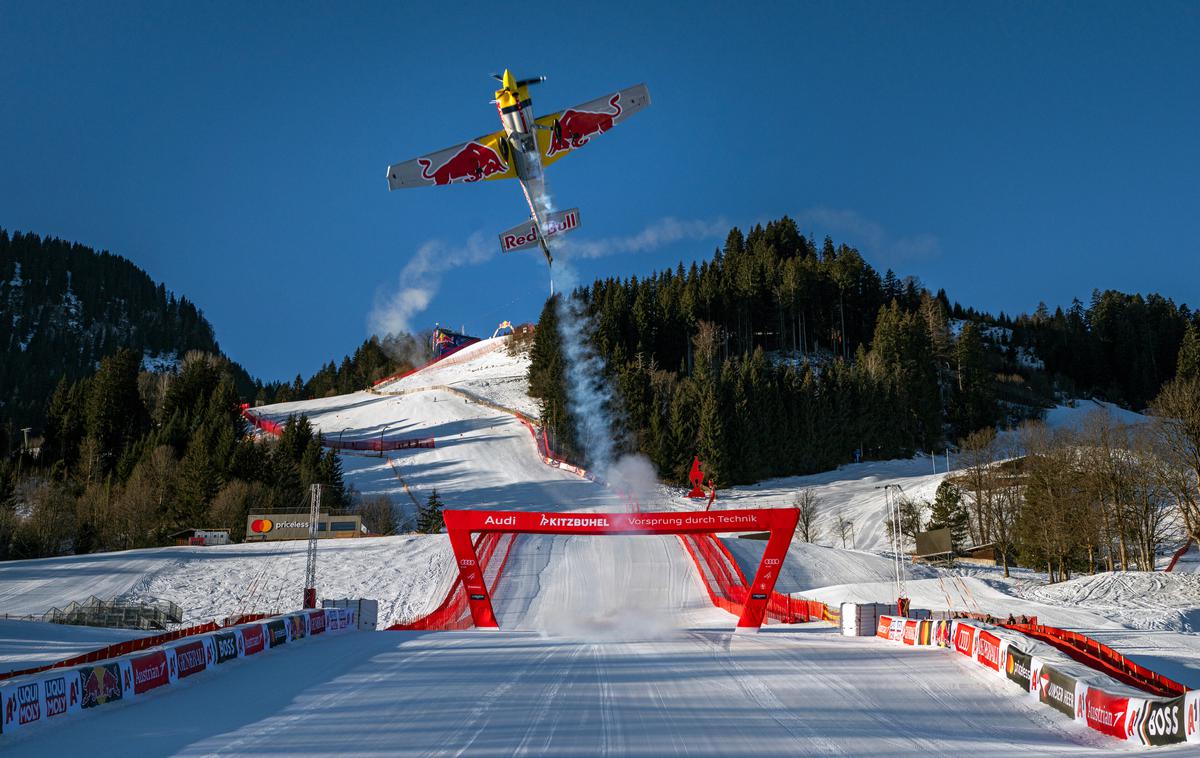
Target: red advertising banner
{"x": 190, "y": 659}
{"x": 884, "y": 628}
{"x": 989, "y": 650}
{"x": 910, "y": 632}
{"x": 780, "y": 522}
{"x": 316, "y": 622}
{"x": 149, "y": 671}
{"x": 253, "y": 639}
{"x": 1106, "y": 713}
{"x": 964, "y": 639}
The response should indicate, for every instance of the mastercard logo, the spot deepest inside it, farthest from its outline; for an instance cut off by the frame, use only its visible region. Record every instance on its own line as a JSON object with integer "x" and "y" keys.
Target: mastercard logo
{"x": 261, "y": 526}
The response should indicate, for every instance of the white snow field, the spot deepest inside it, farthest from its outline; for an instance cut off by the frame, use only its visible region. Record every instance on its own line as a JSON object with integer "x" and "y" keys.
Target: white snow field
{"x": 609, "y": 645}
{"x": 28, "y": 644}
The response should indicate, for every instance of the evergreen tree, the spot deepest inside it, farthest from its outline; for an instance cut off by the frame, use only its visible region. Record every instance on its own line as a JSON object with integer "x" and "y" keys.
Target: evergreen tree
{"x": 429, "y": 518}
{"x": 1187, "y": 366}
{"x": 973, "y": 406}
{"x": 949, "y": 512}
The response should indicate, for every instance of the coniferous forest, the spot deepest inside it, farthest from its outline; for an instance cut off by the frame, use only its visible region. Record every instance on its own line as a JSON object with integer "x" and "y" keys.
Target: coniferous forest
{"x": 778, "y": 356}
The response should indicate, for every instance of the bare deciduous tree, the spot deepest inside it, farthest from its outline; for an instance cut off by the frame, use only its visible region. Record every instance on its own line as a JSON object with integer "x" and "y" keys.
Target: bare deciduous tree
{"x": 809, "y": 505}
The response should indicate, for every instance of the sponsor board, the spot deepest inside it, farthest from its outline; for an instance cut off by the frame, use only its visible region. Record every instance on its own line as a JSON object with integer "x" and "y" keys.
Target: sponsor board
{"x": 988, "y": 650}
{"x": 925, "y": 633}
{"x": 100, "y": 684}
{"x": 253, "y": 639}
{"x": 22, "y": 705}
{"x": 1018, "y": 667}
{"x": 61, "y": 695}
{"x": 149, "y": 671}
{"x": 296, "y": 627}
{"x": 1158, "y": 722}
{"x": 884, "y": 627}
{"x": 1191, "y": 711}
{"x": 226, "y": 645}
{"x": 941, "y": 633}
{"x": 1106, "y": 713}
{"x": 1057, "y": 690}
{"x": 909, "y": 635}
{"x": 190, "y": 659}
{"x": 964, "y": 639}
{"x": 316, "y": 622}
{"x": 277, "y": 632}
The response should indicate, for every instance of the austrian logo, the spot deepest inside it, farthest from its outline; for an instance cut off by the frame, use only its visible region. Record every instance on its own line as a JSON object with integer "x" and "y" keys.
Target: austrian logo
{"x": 149, "y": 671}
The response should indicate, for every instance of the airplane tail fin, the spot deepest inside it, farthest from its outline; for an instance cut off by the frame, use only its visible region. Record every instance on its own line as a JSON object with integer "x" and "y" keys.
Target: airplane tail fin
{"x": 526, "y": 236}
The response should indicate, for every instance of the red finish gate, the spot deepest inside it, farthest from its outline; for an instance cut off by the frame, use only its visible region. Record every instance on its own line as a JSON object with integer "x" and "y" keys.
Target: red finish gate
{"x": 780, "y": 522}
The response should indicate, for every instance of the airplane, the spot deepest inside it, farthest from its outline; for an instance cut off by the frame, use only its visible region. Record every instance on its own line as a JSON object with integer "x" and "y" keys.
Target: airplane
{"x": 521, "y": 150}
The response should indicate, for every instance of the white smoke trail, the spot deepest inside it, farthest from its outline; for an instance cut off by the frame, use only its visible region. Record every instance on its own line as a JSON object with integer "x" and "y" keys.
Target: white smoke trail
{"x": 420, "y": 280}
{"x": 589, "y": 395}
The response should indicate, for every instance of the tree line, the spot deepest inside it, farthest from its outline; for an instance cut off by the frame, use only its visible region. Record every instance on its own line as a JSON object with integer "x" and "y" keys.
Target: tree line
{"x": 131, "y": 457}
{"x": 780, "y": 357}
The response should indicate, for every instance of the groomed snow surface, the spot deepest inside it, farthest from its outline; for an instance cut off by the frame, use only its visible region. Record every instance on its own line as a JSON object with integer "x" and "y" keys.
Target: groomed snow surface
{"x": 609, "y": 644}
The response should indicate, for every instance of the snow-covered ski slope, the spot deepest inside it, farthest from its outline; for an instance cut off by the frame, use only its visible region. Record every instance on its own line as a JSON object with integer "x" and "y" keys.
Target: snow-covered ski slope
{"x": 795, "y": 691}
{"x": 622, "y": 653}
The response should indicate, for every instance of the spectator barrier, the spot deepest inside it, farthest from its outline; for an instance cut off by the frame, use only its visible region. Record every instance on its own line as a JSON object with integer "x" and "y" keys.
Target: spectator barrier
{"x": 375, "y": 444}
{"x": 39, "y": 696}
{"x": 1099, "y": 656}
{"x": 1077, "y": 692}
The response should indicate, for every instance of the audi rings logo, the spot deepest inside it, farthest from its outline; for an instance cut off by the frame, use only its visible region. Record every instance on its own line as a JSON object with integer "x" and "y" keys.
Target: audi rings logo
{"x": 261, "y": 526}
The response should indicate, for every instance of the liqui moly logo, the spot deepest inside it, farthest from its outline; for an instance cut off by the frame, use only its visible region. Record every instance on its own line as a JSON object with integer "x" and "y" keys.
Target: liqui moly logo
{"x": 56, "y": 696}
{"x": 29, "y": 703}
{"x": 575, "y": 521}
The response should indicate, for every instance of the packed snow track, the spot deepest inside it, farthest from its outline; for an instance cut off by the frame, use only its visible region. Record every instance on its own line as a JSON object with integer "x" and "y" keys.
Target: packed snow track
{"x": 787, "y": 691}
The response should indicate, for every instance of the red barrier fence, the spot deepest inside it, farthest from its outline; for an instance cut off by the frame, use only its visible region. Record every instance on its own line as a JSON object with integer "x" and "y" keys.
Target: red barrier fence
{"x": 727, "y": 586}
{"x": 1178, "y": 554}
{"x": 375, "y": 444}
{"x": 454, "y": 613}
{"x": 1101, "y": 657}
{"x": 118, "y": 649}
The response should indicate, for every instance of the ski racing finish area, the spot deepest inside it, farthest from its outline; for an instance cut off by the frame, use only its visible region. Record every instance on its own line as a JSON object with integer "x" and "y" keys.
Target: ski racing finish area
{"x": 594, "y": 628}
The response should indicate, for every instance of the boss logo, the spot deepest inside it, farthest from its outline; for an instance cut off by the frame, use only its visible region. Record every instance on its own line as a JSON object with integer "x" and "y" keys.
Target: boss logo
{"x": 1163, "y": 721}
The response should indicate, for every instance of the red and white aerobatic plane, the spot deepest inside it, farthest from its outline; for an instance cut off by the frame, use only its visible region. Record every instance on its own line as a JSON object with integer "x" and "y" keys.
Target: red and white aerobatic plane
{"x": 520, "y": 150}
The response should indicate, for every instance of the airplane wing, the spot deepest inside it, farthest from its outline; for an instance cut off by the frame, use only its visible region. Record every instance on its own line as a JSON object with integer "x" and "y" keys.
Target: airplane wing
{"x": 573, "y": 128}
{"x": 486, "y": 157}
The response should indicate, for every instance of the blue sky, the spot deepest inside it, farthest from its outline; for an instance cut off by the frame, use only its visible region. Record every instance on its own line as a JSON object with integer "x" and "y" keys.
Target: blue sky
{"x": 1008, "y": 152}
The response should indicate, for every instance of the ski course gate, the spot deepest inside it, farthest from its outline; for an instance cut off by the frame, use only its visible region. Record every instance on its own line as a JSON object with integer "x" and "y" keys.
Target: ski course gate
{"x": 779, "y": 522}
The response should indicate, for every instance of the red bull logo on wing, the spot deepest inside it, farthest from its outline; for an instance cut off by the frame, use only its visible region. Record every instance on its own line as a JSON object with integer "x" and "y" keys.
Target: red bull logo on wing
{"x": 574, "y": 128}
{"x": 472, "y": 163}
